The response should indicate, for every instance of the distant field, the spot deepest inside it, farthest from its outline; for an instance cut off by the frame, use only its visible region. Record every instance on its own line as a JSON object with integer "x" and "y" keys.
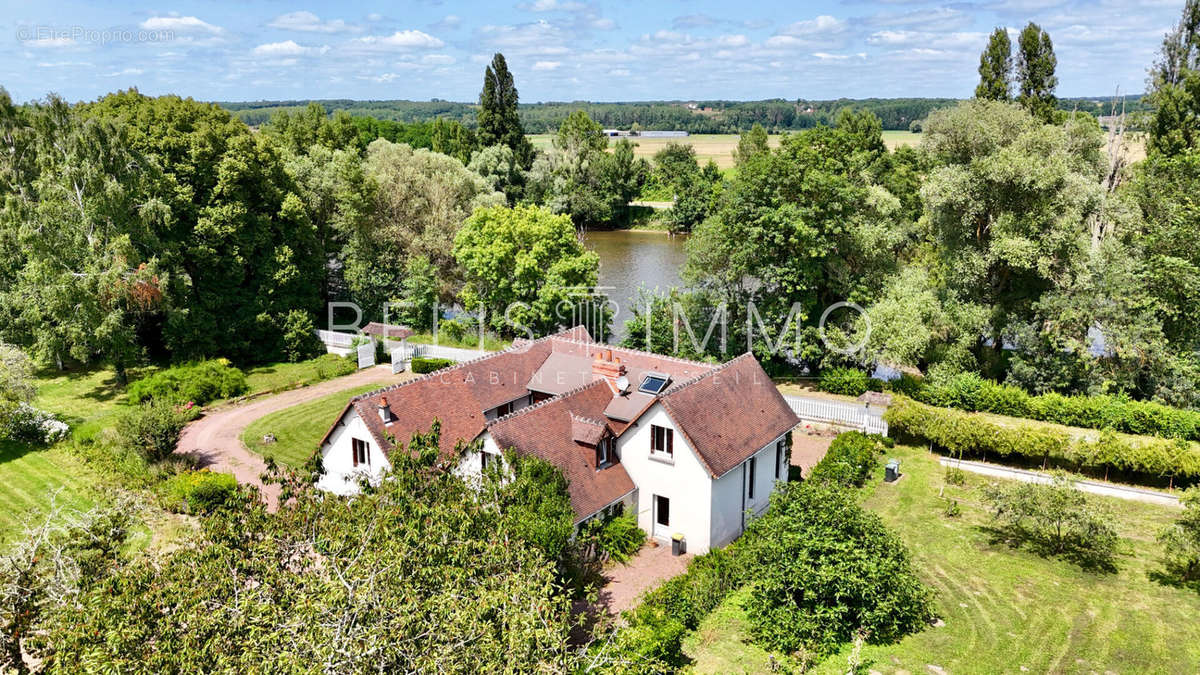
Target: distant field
{"x": 720, "y": 147}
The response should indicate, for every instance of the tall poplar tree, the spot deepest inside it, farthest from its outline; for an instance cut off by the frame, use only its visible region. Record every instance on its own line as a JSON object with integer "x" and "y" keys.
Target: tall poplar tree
{"x": 499, "y": 123}
{"x": 1036, "y": 80}
{"x": 995, "y": 68}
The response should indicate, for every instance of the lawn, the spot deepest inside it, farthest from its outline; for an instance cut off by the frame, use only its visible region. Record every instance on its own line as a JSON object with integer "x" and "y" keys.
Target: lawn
{"x": 32, "y": 478}
{"x": 298, "y": 429}
{"x": 1005, "y": 610}
{"x": 280, "y": 376}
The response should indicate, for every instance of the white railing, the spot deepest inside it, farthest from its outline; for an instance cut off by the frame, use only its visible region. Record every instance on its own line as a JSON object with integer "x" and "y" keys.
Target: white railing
{"x": 869, "y": 420}
{"x": 452, "y": 353}
{"x": 335, "y": 339}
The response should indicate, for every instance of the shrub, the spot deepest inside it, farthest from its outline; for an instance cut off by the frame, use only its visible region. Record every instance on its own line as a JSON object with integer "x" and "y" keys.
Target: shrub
{"x": 199, "y": 383}
{"x": 1057, "y": 519}
{"x": 821, "y": 567}
{"x": 1181, "y": 542}
{"x": 845, "y": 381}
{"x": 329, "y": 366}
{"x": 620, "y": 537}
{"x": 422, "y": 364}
{"x": 199, "y": 491}
{"x": 28, "y": 424}
{"x": 300, "y": 341}
{"x": 153, "y": 429}
{"x": 849, "y": 460}
{"x": 962, "y": 432}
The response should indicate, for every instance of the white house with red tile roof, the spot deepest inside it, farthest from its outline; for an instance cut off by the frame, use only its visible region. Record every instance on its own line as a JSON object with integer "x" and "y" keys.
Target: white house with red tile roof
{"x": 692, "y": 448}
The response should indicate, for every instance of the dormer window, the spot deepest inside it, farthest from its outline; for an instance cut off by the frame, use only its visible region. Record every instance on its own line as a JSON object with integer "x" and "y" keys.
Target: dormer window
{"x": 605, "y": 451}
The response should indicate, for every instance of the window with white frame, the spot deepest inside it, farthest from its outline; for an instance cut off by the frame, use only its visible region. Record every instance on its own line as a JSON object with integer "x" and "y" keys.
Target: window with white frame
{"x": 361, "y": 450}
{"x": 605, "y": 451}
{"x": 662, "y": 441}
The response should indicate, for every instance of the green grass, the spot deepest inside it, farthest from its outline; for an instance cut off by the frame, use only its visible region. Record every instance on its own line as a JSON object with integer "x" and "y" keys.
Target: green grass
{"x": 298, "y": 429}
{"x": 280, "y": 376}
{"x": 469, "y": 341}
{"x": 32, "y": 478}
{"x": 1005, "y": 608}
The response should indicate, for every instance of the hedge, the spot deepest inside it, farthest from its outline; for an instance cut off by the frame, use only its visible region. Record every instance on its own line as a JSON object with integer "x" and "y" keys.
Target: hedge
{"x": 973, "y": 393}
{"x": 423, "y": 365}
{"x": 963, "y": 432}
{"x": 850, "y": 459}
{"x": 199, "y": 491}
{"x": 848, "y": 382}
{"x": 198, "y": 383}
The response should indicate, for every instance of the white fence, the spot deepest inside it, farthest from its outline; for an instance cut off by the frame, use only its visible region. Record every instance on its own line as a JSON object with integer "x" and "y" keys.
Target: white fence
{"x": 342, "y": 344}
{"x": 337, "y": 343}
{"x": 452, "y": 353}
{"x": 869, "y": 420}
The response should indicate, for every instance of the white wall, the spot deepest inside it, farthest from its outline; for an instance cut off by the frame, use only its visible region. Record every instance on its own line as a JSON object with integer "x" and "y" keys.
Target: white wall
{"x": 470, "y": 467}
{"x": 685, "y": 482}
{"x": 337, "y": 455}
{"x": 730, "y": 496}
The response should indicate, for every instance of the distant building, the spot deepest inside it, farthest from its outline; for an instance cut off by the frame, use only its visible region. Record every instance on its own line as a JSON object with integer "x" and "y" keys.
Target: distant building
{"x": 618, "y": 133}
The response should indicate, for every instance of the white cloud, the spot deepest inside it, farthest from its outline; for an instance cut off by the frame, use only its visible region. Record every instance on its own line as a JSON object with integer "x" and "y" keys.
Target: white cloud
{"x": 822, "y": 25}
{"x": 287, "y": 48}
{"x": 50, "y": 43}
{"x": 310, "y": 23}
{"x": 402, "y": 39}
{"x": 547, "y": 65}
{"x": 127, "y": 71}
{"x": 438, "y": 59}
{"x": 183, "y": 24}
{"x": 733, "y": 41}
{"x": 552, "y": 5}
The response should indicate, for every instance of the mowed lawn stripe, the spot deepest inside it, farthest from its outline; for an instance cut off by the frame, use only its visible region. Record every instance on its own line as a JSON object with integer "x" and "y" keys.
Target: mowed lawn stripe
{"x": 298, "y": 429}
{"x": 30, "y": 478}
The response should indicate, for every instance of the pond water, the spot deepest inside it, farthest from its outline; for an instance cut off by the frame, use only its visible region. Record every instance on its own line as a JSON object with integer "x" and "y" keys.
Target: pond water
{"x": 629, "y": 260}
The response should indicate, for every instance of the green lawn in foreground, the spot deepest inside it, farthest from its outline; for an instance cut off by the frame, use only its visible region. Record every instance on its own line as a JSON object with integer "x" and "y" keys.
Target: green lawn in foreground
{"x": 31, "y": 478}
{"x": 1004, "y": 608}
{"x": 298, "y": 429}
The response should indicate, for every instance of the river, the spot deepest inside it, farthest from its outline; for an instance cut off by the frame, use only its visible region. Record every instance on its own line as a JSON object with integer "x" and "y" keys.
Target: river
{"x": 629, "y": 260}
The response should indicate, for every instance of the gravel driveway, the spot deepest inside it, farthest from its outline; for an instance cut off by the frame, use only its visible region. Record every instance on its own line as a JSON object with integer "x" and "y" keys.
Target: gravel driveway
{"x": 215, "y": 439}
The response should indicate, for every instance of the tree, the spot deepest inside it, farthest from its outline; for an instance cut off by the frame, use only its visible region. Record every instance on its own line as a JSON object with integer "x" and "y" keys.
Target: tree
{"x": 419, "y": 200}
{"x": 1036, "y": 80}
{"x": 579, "y": 177}
{"x": 313, "y": 126}
{"x": 1057, "y": 519}
{"x": 499, "y": 123}
{"x": 498, "y": 166}
{"x": 1174, "y": 87}
{"x": 452, "y": 138}
{"x": 622, "y": 176}
{"x": 751, "y": 144}
{"x": 1181, "y": 542}
{"x": 16, "y": 381}
{"x": 995, "y": 68}
{"x": 525, "y": 267}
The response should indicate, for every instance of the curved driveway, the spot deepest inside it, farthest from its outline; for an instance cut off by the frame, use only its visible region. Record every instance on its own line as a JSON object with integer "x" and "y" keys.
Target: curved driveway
{"x": 215, "y": 440}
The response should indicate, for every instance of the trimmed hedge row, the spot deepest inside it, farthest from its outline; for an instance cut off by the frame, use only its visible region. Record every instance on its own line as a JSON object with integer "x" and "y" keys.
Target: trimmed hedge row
{"x": 971, "y": 392}
{"x": 199, "y": 383}
{"x": 957, "y": 431}
{"x": 850, "y": 459}
{"x": 422, "y": 365}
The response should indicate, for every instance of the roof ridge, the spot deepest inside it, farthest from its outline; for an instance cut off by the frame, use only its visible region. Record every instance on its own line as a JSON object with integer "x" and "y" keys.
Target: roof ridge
{"x": 631, "y": 350}
{"x": 586, "y": 420}
{"x": 542, "y": 404}
{"x": 456, "y": 366}
{"x": 683, "y": 384}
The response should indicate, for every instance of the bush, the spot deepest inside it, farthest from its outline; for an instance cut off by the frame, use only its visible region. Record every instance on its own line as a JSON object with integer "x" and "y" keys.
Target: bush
{"x": 1057, "y": 519}
{"x": 300, "y": 341}
{"x": 28, "y": 424}
{"x": 962, "y": 432}
{"x": 846, "y": 381}
{"x": 198, "y": 383}
{"x": 329, "y": 366}
{"x": 620, "y": 537}
{"x": 849, "y": 460}
{"x": 152, "y": 430}
{"x": 422, "y": 364}
{"x": 199, "y": 491}
{"x": 821, "y": 568}
{"x": 1181, "y": 543}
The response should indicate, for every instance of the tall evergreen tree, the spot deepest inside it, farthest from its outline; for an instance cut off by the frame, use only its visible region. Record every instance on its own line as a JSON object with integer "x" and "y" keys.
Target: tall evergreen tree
{"x": 1036, "y": 80}
{"x": 499, "y": 123}
{"x": 995, "y": 68}
{"x": 1174, "y": 87}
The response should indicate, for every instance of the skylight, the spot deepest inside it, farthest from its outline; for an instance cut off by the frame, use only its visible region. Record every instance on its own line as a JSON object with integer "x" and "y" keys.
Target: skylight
{"x": 653, "y": 383}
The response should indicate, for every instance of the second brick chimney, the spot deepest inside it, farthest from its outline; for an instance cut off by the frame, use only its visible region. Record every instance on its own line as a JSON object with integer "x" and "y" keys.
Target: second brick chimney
{"x": 605, "y": 366}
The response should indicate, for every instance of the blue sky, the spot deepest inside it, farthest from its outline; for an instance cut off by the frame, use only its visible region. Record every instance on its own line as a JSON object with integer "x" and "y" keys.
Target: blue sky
{"x": 559, "y": 50}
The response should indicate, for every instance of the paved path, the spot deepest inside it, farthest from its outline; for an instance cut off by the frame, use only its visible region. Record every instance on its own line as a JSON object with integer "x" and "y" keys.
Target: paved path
{"x": 215, "y": 440}
{"x": 1093, "y": 486}
{"x": 624, "y": 584}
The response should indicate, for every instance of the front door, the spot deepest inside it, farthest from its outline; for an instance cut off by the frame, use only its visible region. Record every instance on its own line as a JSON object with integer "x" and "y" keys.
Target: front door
{"x": 662, "y": 517}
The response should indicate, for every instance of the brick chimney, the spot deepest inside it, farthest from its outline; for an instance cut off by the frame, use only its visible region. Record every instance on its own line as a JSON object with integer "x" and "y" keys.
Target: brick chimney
{"x": 385, "y": 413}
{"x": 607, "y": 367}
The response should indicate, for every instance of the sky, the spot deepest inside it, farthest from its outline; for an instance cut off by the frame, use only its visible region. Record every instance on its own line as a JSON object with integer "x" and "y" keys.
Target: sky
{"x": 559, "y": 50}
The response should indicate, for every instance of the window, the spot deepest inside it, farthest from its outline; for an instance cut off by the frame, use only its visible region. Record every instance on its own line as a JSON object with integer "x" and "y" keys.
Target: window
{"x": 604, "y": 451}
{"x": 362, "y": 451}
{"x": 662, "y": 511}
{"x": 505, "y": 409}
{"x": 782, "y": 461}
{"x": 750, "y": 471}
{"x": 662, "y": 440}
{"x": 653, "y": 383}
{"x": 485, "y": 458}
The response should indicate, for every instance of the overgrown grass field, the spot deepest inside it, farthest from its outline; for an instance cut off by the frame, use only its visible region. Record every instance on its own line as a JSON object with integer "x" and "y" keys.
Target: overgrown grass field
{"x": 1004, "y": 609}
{"x": 298, "y": 429}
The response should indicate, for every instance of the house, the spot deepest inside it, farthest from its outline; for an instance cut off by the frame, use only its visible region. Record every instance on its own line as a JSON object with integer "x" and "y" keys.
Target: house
{"x": 691, "y": 448}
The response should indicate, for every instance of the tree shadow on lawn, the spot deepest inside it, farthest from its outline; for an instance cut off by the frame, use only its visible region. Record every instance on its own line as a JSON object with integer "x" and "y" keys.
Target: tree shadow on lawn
{"x": 1017, "y": 538}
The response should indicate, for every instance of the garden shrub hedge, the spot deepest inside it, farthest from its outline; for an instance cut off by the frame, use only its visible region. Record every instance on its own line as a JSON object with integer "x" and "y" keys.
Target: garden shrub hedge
{"x": 423, "y": 365}
{"x": 198, "y": 383}
{"x": 963, "y": 432}
{"x": 848, "y": 382}
{"x": 153, "y": 429}
{"x": 849, "y": 460}
{"x": 199, "y": 491}
{"x": 970, "y": 392}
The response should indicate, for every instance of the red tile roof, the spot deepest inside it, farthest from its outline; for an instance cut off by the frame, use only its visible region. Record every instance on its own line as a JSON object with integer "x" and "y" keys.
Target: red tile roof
{"x": 545, "y": 430}
{"x": 393, "y": 331}
{"x": 729, "y": 413}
